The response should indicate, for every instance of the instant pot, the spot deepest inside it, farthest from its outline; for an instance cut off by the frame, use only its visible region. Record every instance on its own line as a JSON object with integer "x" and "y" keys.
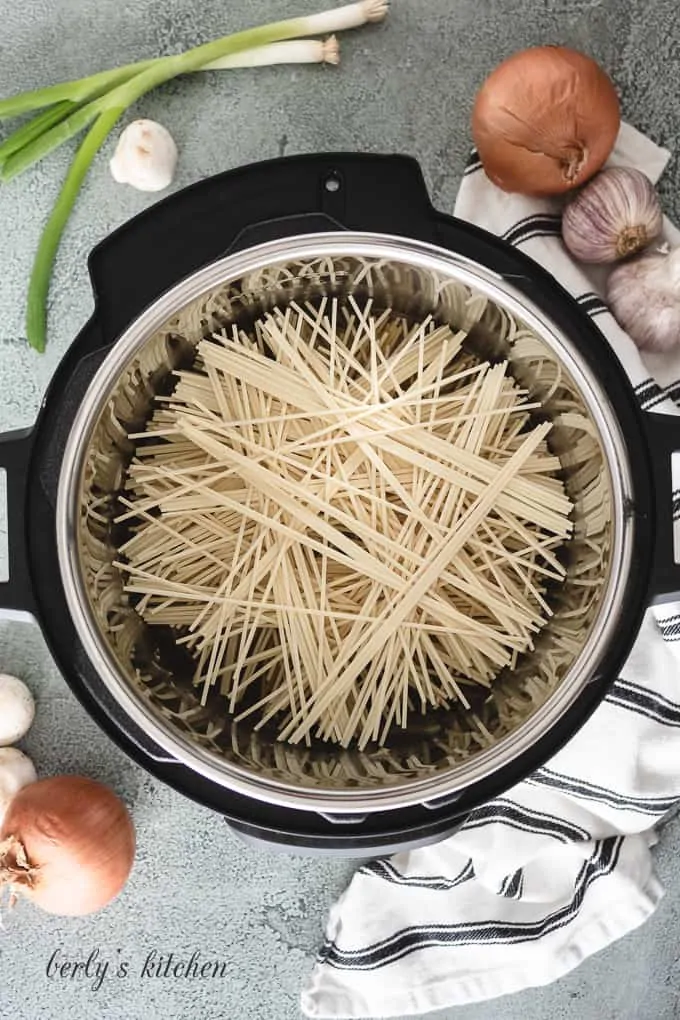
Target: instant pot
{"x": 222, "y": 251}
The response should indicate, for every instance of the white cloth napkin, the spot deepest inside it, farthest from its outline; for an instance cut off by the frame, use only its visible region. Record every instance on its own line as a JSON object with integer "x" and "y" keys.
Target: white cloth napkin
{"x": 560, "y": 866}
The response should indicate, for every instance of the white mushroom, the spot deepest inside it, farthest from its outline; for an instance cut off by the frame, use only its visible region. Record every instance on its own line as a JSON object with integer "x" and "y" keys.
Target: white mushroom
{"x": 16, "y": 771}
{"x": 17, "y": 709}
{"x": 145, "y": 157}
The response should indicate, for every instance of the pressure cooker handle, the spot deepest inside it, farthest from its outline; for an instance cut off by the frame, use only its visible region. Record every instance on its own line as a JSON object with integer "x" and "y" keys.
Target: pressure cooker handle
{"x": 663, "y": 438}
{"x": 16, "y": 590}
{"x": 379, "y": 194}
{"x": 279, "y": 198}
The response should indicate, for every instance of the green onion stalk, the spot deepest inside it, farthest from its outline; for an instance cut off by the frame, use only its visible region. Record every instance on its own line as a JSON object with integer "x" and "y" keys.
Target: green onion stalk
{"x": 98, "y": 101}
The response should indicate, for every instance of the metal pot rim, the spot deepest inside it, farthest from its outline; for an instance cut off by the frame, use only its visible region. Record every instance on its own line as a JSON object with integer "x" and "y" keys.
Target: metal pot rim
{"x": 446, "y": 783}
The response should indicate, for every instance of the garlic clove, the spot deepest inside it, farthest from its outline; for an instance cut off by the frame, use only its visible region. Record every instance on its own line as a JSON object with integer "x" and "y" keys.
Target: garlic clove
{"x": 616, "y": 215}
{"x": 145, "y": 157}
{"x": 644, "y": 297}
{"x": 16, "y": 771}
{"x": 17, "y": 709}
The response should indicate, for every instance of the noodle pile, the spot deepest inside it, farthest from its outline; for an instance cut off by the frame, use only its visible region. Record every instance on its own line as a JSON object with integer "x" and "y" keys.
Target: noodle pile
{"x": 346, "y": 518}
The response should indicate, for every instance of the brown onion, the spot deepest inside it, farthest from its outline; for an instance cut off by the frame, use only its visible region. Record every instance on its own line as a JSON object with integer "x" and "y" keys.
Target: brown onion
{"x": 68, "y": 844}
{"x": 545, "y": 121}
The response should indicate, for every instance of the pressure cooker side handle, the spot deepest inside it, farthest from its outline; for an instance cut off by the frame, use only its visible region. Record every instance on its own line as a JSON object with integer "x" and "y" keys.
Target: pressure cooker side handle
{"x": 663, "y": 439}
{"x": 16, "y": 590}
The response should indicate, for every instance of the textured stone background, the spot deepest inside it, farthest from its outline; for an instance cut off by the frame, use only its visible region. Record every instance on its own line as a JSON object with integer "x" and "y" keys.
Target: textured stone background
{"x": 405, "y": 86}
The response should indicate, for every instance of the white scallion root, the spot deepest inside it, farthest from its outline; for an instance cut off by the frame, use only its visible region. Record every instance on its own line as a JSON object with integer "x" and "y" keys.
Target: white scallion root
{"x": 375, "y": 10}
{"x": 331, "y": 51}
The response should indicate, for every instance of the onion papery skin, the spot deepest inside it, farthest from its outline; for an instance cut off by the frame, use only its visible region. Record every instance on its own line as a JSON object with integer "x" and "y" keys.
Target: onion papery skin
{"x": 68, "y": 844}
{"x": 545, "y": 121}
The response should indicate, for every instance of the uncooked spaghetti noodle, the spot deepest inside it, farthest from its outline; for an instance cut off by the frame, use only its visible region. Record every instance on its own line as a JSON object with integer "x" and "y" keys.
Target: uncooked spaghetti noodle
{"x": 347, "y": 519}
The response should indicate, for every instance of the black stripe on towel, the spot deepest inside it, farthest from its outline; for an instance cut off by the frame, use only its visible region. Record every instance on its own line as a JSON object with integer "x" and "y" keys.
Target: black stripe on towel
{"x": 592, "y": 304}
{"x": 670, "y": 629}
{"x": 511, "y": 888}
{"x": 641, "y": 388}
{"x": 590, "y": 791}
{"x": 411, "y": 940}
{"x": 676, "y": 505}
{"x": 651, "y": 396}
{"x": 649, "y": 393}
{"x": 527, "y": 820}
{"x": 660, "y": 700}
{"x": 638, "y": 699}
{"x": 647, "y": 390}
{"x": 538, "y": 225}
{"x": 670, "y": 392}
{"x": 387, "y": 871}
{"x": 473, "y": 164}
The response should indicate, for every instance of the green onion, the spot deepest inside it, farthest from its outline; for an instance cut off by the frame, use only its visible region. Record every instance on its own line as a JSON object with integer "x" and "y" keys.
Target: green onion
{"x": 132, "y": 89}
{"x": 75, "y": 91}
{"x": 38, "y": 288}
{"x": 297, "y": 51}
{"x": 101, "y": 99}
{"x": 51, "y": 139}
{"x": 34, "y": 128}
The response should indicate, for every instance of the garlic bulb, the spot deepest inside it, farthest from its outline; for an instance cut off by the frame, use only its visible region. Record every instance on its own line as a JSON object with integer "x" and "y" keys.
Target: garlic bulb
{"x": 644, "y": 296}
{"x": 16, "y": 771}
{"x": 17, "y": 709}
{"x": 615, "y": 215}
{"x": 145, "y": 157}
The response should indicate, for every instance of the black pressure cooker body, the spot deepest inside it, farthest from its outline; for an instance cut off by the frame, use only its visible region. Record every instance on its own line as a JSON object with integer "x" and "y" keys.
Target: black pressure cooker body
{"x": 150, "y": 255}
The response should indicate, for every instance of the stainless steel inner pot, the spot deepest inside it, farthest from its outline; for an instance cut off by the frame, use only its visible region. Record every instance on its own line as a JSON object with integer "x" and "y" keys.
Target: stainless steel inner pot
{"x": 437, "y": 755}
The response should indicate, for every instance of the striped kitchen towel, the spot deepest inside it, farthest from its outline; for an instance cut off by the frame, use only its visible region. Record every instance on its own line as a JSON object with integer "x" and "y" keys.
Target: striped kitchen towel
{"x": 560, "y": 866}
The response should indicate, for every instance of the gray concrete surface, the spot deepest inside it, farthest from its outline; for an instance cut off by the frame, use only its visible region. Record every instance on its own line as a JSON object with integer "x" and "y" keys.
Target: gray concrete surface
{"x": 405, "y": 86}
